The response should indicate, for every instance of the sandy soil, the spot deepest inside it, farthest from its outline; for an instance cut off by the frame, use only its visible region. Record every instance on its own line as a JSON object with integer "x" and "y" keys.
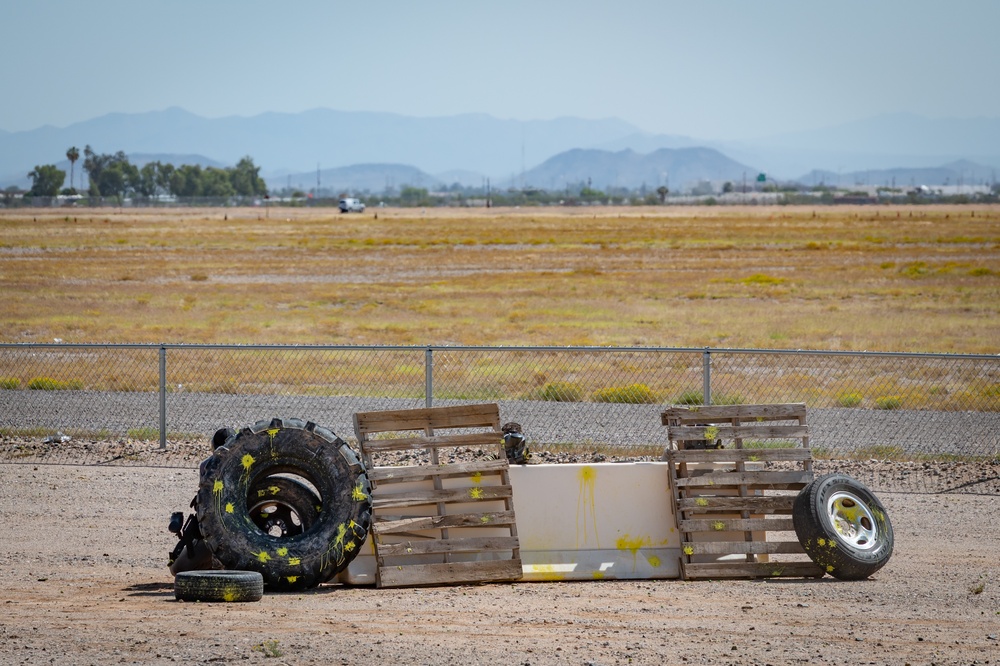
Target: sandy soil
{"x": 83, "y": 581}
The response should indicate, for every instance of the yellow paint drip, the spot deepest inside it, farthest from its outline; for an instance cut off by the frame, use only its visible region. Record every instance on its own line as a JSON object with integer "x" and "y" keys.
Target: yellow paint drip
{"x": 218, "y": 487}
{"x": 272, "y": 432}
{"x": 586, "y": 506}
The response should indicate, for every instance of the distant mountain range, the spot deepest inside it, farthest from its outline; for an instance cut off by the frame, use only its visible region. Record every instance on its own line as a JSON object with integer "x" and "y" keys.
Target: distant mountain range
{"x": 370, "y": 151}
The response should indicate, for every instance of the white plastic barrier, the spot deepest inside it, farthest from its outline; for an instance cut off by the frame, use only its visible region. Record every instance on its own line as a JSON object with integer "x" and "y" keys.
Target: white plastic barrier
{"x": 583, "y": 522}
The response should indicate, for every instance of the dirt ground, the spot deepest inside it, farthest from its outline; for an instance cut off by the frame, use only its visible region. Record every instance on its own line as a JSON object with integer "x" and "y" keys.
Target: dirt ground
{"x": 83, "y": 580}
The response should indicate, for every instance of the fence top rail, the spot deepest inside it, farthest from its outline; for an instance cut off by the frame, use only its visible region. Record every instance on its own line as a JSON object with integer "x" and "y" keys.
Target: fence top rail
{"x": 486, "y": 348}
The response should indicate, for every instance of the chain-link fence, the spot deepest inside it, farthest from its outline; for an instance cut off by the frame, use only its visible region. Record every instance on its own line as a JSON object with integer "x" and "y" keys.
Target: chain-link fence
{"x": 901, "y": 421}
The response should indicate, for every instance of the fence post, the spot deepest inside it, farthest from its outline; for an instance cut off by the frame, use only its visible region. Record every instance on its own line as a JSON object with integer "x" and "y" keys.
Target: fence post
{"x": 429, "y": 378}
{"x": 163, "y": 398}
{"x": 706, "y": 376}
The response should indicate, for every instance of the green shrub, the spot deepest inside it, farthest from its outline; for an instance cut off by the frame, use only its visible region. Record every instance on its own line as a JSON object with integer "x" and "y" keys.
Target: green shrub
{"x": 9, "y": 382}
{"x": 561, "y": 392}
{"x": 689, "y": 398}
{"x": 726, "y": 399}
{"x": 888, "y": 402}
{"x": 49, "y": 384}
{"x": 633, "y": 394}
{"x": 849, "y": 399}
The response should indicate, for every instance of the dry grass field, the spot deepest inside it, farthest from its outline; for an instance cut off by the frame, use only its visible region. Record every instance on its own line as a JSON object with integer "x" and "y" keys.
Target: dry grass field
{"x": 878, "y": 278}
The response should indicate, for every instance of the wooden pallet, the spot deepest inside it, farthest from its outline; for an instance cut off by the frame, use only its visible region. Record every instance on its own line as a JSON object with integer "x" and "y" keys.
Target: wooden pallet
{"x": 460, "y": 527}
{"x": 734, "y": 516}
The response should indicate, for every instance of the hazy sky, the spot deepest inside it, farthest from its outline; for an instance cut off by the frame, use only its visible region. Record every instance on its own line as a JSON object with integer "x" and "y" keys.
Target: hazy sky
{"x": 703, "y": 68}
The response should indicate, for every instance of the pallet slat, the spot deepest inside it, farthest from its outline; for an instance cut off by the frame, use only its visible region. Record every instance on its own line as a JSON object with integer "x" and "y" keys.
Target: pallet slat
{"x": 436, "y": 442}
{"x": 761, "y": 479}
{"x": 736, "y": 524}
{"x": 449, "y": 496}
{"x": 703, "y": 413}
{"x": 697, "y": 571}
{"x": 415, "y": 575}
{"x": 737, "y": 455}
{"x": 381, "y": 475}
{"x": 433, "y": 546}
{"x": 741, "y": 547}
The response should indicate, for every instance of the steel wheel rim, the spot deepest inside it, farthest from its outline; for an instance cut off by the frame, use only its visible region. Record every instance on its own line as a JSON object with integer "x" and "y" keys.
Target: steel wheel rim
{"x": 853, "y": 520}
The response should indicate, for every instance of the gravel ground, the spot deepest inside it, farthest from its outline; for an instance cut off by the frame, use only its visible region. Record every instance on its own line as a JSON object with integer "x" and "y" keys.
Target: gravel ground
{"x": 83, "y": 581}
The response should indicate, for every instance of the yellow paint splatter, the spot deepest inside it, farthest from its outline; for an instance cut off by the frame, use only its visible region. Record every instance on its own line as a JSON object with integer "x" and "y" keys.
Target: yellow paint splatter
{"x": 270, "y": 490}
{"x": 350, "y": 546}
{"x": 829, "y": 568}
{"x": 294, "y": 561}
{"x": 282, "y": 551}
{"x": 688, "y": 550}
{"x": 718, "y": 526}
{"x": 598, "y": 575}
{"x": 262, "y": 556}
{"x": 229, "y": 595}
{"x": 272, "y": 432}
{"x": 653, "y": 560}
{"x": 229, "y": 507}
{"x": 701, "y": 501}
{"x": 484, "y": 519}
{"x": 292, "y": 579}
{"x": 247, "y": 461}
{"x": 821, "y": 541}
{"x": 358, "y": 494}
{"x": 475, "y": 493}
{"x": 477, "y": 477}
{"x": 217, "y": 488}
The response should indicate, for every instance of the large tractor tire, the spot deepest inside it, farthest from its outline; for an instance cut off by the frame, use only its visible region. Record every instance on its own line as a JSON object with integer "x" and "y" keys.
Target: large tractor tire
{"x": 288, "y": 559}
{"x": 843, "y": 527}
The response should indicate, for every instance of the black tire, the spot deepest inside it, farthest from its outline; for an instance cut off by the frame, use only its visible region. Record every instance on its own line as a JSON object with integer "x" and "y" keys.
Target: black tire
{"x": 843, "y": 527}
{"x": 283, "y": 507}
{"x": 218, "y": 585}
{"x": 289, "y": 446}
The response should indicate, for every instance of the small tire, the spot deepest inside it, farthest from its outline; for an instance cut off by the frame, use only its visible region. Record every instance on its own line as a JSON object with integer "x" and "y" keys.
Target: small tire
{"x": 219, "y": 585}
{"x": 843, "y": 527}
{"x": 289, "y": 446}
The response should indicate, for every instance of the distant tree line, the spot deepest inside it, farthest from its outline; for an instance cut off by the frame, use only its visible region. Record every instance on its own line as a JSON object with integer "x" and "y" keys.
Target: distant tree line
{"x": 113, "y": 175}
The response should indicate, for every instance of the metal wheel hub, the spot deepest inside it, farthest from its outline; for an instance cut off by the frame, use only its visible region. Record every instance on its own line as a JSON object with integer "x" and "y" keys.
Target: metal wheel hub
{"x": 852, "y": 519}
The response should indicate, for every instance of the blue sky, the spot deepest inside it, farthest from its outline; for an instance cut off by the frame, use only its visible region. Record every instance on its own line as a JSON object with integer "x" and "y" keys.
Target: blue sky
{"x": 709, "y": 69}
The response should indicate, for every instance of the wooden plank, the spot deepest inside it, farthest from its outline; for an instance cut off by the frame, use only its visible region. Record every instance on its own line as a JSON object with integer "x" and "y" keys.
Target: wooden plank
{"x": 762, "y": 479}
{"x": 461, "y": 416}
{"x": 693, "y": 571}
{"x": 417, "y": 473}
{"x": 712, "y": 433}
{"x": 710, "y": 413}
{"x": 760, "y": 504}
{"x": 490, "y": 439}
{"x": 382, "y": 500}
{"x": 736, "y": 525}
{"x": 416, "y": 523}
{"x": 432, "y": 546}
{"x": 449, "y": 573}
{"x": 734, "y": 455}
{"x": 741, "y": 547}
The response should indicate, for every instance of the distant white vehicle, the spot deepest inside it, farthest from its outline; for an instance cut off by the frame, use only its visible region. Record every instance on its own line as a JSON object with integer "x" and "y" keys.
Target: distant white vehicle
{"x": 350, "y": 205}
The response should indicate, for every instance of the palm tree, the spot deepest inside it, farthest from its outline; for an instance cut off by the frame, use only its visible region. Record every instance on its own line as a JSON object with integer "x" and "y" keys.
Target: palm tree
{"x": 72, "y": 155}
